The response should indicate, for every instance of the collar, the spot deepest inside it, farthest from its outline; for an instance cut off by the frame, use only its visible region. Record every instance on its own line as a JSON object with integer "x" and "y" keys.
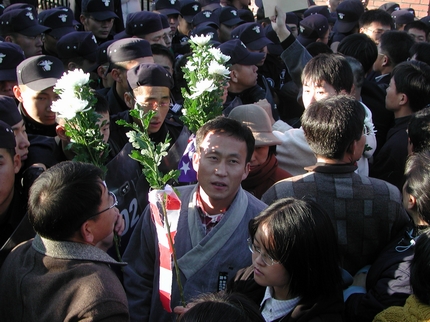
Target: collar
{"x": 322, "y": 167}
{"x": 378, "y": 78}
{"x": 72, "y": 250}
{"x": 273, "y": 309}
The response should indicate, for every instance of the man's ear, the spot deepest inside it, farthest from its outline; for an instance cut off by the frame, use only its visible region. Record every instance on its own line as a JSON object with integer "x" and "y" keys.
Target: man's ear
{"x": 233, "y": 76}
{"x": 16, "y": 163}
{"x": 196, "y": 161}
{"x": 386, "y": 61}
{"x": 101, "y": 71}
{"x": 412, "y": 202}
{"x": 86, "y": 232}
{"x": 17, "y": 92}
{"x": 247, "y": 168}
{"x": 72, "y": 66}
{"x": 8, "y": 39}
{"x": 403, "y": 99}
{"x": 116, "y": 75}
{"x": 129, "y": 100}
{"x": 83, "y": 20}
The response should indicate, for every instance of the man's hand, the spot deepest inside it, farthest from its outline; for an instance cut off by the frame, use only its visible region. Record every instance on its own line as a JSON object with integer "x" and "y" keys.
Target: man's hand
{"x": 278, "y": 24}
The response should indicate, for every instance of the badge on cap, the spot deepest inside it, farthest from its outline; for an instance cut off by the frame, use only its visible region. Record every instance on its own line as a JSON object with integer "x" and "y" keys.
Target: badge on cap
{"x": 256, "y": 29}
{"x": 207, "y": 14}
{"x": 196, "y": 7}
{"x": 302, "y": 29}
{"x": 63, "y": 18}
{"x": 234, "y": 12}
{"x": 341, "y": 15}
{"x": 30, "y": 15}
{"x": 172, "y": 2}
{"x": 106, "y": 2}
{"x": 46, "y": 65}
{"x": 1, "y": 57}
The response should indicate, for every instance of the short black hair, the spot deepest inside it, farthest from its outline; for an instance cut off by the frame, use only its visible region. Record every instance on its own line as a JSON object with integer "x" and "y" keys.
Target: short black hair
{"x": 396, "y": 44}
{"x": 376, "y": 15}
{"x": 102, "y": 105}
{"x": 417, "y": 25}
{"x": 332, "y": 124}
{"x": 301, "y": 235}
{"x": 361, "y": 47}
{"x": 330, "y": 68}
{"x": 357, "y": 71}
{"x": 230, "y": 127}
{"x": 420, "y": 269}
{"x": 63, "y": 197}
{"x": 413, "y": 79}
{"x": 421, "y": 51}
{"x": 161, "y": 50}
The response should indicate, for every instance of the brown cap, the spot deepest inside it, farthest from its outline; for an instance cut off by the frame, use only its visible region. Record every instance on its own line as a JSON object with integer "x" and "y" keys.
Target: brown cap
{"x": 256, "y": 118}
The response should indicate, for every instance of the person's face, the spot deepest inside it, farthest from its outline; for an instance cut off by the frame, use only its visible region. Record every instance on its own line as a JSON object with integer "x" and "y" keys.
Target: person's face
{"x": 105, "y": 221}
{"x": 165, "y": 62}
{"x": 21, "y": 139}
{"x": 262, "y": 50}
{"x": 155, "y": 98}
{"x": 275, "y": 275}
{"x": 260, "y": 155}
{"x": 183, "y": 26}
{"x": 6, "y": 88}
{"x": 246, "y": 76}
{"x": 418, "y": 35}
{"x": 392, "y": 97}
{"x": 100, "y": 28}
{"x": 293, "y": 28}
{"x": 221, "y": 166}
{"x": 31, "y": 46}
{"x": 173, "y": 21}
{"x": 167, "y": 37}
{"x": 104, "y": 129}
{"x": 156, "y": 37}
{"x": 8, "y": 168}
{"x": 50, "y": 44}
{"x": 314, "y": 92}
{"x": 224, "y": 32}
{"x": 374, "y": 31}
{"x": 38, "y": 104}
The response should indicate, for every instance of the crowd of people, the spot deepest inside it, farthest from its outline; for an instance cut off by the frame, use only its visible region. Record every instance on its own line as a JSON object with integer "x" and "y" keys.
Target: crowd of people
{"x": 312, "y": 193}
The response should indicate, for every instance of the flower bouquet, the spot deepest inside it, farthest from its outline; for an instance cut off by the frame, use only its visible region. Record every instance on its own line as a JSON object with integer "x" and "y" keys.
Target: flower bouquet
{"x": 82, "y": 123}
{"x": 207, "y": 75}
{"x": 164, "y": 203}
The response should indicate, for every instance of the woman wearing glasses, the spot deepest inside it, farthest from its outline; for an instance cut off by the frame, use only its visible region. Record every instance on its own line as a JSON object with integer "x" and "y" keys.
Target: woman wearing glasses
{"x": 295, "y": 274}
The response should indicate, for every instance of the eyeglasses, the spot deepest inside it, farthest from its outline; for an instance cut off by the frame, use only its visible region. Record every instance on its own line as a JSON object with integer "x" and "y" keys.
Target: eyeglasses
{"x": 154, "y": 105}
{"x": 377, "y": 31}
{"x": 269, "y": 261}
{"x": 115, "y": 203}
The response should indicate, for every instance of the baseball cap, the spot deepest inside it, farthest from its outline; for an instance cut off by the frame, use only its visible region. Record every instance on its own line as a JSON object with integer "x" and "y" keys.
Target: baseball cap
{"x": 189, "y": 8}
{"x": 210, "y": 4}
{"x": 7, "y": 138}
{"x": 128, "y": 49}
{"x": 206, "y": 17}
{"x": 59, "y": 20}
{"x": 239, "y": 54}
{"x": 141, "y": 23}
{"x": 206, "y": 30}
{"x": 229, "y": 16}
{"x": 21, "y": 21}
{"x": 99, "y": 9}
{"x": 78, "y": 44}
{"x": 321, "y": 10}
{"x": 390, "y": 7}
{"x": 39, "y": 72}
{"x": 426, "y": 20}
{"x": 168, "y": 7}
{"x": 102, "y": 56}
{"x": 246, "y": 15}
{"x": 9, "y": 112}
{"x": 11, "y": 55}
{"x": 149, "y": 75}
{"x": 292, "y": 18}
{"x": 402, "y": 17}
{"x": 311, "y": 28}
{"x": 21, "y": 6}
{"x": 348, "y": 14}
{"x": 256, "y": 118}
{"x": 252, "y": 35}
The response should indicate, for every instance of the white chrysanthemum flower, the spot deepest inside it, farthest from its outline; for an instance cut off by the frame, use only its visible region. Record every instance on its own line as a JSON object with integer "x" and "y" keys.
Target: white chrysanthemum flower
{"x": 73, "y": 79}
{"x": 206, "y": 85}
{"x": 67, "y": 108}
{"x": 201, "y": 40}
{"x": 218, "y": 69}
{"x": 219, "y": 56}
{"x": 190, "y": 66}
